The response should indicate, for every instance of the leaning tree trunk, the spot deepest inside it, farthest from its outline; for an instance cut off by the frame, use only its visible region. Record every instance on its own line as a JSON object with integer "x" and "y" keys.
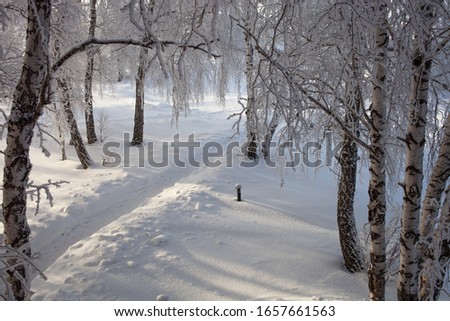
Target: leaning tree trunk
{"x": 348, "y": 234}
{"x": 348, "y": 160}
{"x": 408, "y": 276}
{"x": 377, "y": 185}
{"x": 433, "y": 242}
{"x": 75, "y": 136}
{"x": 26, "y": 109}
{"x": 89, "y": 112}
{"x": 138, "y": 130}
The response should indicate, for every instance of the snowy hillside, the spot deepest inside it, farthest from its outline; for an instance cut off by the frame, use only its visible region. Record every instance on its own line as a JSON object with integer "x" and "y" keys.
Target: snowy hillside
{"x": 133, "y": 233}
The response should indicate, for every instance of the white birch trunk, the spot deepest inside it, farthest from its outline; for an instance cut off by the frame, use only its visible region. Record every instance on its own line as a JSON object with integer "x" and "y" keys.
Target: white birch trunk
{"x": 407, "y": 281}
{"x": 438, "y": 255}
{"x": 250, "y": 108}
{"x": 64, "y": 91}
{"x": 434, "y": 241}
{"x": 26, "y": 109}
{"x": 436, "y": 186}
{"x": 75, "y": 136}
{"x": 89, "y": 112}
{"x": 377, "y": 185}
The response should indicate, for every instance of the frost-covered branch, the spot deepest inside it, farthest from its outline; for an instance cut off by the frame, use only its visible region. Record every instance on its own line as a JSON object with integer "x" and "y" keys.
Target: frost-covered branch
{"x": 239, "y": 115}
{"x": 41, "y": 134}
{"x": 10, "y": 259}
{"x": 36, "y": 191}
{"x": 83, "y": 46}
{"x": 304, "y": 90}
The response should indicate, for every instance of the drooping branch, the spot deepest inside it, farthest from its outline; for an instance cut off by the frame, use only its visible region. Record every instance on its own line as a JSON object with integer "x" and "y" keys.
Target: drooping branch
{"x": 297, "y": 86}
{"x": 83, "y": 46}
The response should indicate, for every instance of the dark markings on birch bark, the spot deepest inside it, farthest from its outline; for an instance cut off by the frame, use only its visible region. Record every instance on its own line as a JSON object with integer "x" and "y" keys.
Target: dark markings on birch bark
{"x": 408, "y": 276}
{"x": 88, "y": 99}
{"x": 75, "y": 135}
{"x": 377, "y": 185}
{"x": 25, "y": 110}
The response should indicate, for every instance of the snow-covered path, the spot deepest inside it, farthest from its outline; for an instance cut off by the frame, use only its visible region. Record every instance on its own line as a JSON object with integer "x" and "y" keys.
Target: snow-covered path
{"x": 130, "y": 233}
{"x": 193, "y": 241}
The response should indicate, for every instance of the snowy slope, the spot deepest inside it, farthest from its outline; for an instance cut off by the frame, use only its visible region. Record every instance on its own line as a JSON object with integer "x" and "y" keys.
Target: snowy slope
{"x": 134, "y": 233}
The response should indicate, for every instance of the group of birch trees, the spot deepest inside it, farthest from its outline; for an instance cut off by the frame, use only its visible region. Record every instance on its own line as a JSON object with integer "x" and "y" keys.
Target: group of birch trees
{"x": 372, "y": 74}
{"x": 376, "y": 73}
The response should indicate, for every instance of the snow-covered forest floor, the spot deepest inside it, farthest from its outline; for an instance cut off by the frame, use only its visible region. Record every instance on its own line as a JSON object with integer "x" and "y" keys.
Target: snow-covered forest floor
{"x": 133, "y": 233}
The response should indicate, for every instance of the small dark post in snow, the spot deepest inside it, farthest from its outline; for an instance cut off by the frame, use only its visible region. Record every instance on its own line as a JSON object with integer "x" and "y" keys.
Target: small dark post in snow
{"x": 238, "y": 191}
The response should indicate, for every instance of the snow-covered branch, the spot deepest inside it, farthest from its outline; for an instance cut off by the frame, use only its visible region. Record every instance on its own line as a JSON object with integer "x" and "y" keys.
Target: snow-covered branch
{"x": 10, "y": 259}
{"x": 133, "y": 42}
{"x": 35, "y": 192}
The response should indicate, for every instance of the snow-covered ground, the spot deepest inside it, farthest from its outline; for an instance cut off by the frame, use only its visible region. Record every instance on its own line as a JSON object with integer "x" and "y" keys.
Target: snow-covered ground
{"x": 133, "y": 233}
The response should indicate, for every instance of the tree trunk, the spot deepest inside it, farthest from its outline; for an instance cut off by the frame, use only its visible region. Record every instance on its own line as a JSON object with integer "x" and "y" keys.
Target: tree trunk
{"x": 435, "y": 189}
{"x": 89, "y": 112}
{"x": 138, "y": 130}
{"x": 62, "y": 139}
{"x": 408, "y": 277}
{"x": 431, "y": 278}
{"x": 348, "y": 160}
{"x": 75, "y": 136}
{"x": 442, "y": 237}
{"x": 434, "y": 243}
{"x": 65, "y": 96}
{"x": 377, "y": 185}
{"x": 265, "y": 148}
{"x": 348, "y": 234}
{"x": 26, "y": 109}
{"x": 251, "y": 144}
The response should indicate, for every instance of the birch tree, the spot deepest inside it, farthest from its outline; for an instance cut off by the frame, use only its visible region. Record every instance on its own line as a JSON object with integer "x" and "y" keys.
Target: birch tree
{"x": 294, "y": 61}
{"x": 32, "y": 93}
{"x": 377, "y": 184}
{"x": 183, "y": 66}
{"x": 250, "y": 113}
{"x": 434, "y": 245}
{"x": 75, "y": 136}
{"x": 407, "y": 282}
{"x": 261, "y": 25}
{"x": 26, "y": 108}
{"x": 348, "y": 157}
{"x": 146, "y": 13}
{"x": 89, "y": 112}
{"x": 61, "y": 19}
